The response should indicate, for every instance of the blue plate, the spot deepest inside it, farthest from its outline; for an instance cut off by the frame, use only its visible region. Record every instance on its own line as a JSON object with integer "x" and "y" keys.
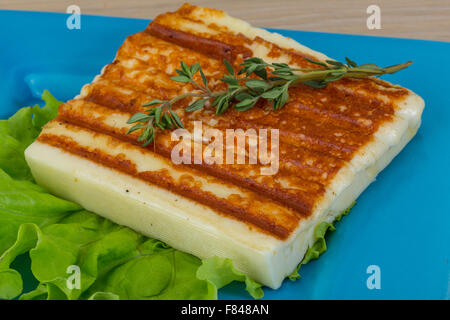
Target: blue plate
{"x": 401, "y": 222}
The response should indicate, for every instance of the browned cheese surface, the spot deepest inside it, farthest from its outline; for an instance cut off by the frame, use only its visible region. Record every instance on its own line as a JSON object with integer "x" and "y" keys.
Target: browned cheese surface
{"x": 320, "y": 129}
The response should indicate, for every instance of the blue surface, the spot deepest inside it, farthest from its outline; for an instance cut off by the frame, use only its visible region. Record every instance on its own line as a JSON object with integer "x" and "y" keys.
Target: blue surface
{"x": 401, "y": 222}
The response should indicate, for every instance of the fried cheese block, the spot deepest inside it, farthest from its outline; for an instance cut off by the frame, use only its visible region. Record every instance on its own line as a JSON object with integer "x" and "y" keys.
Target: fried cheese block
{"x": 332, "y": 144}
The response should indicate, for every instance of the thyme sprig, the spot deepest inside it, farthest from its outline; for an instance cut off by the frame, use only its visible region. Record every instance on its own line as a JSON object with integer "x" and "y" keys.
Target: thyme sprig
{"x": 252, "y": 83}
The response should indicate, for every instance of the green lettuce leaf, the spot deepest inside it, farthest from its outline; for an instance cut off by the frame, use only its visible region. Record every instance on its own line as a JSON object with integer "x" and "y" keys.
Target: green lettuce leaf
{"x": 319, "y": 245}
{"x": 22, "y": 202}
{"x": 220, "y": 272}
{"x": 113, "y": 261}
{"x": 19, "y": 131}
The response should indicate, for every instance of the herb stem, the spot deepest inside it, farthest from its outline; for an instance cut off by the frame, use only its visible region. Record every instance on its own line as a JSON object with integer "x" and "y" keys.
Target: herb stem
{"x": 187, "y": 95}
{"x": 243, "y": 93}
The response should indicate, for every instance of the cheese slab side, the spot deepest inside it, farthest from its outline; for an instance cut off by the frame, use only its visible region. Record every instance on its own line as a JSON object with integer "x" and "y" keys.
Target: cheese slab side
{"x": 85, "y": 156}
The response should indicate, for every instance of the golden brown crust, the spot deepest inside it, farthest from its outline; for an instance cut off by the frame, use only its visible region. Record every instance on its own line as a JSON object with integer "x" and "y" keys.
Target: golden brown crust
{"x": 320, "y": 129}
{"x": 210, "y": 47}
{"x": 235, "y": 205}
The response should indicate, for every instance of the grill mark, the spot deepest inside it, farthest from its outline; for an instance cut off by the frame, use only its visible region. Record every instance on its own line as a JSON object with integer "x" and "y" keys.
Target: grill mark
{"x": 372, "y": 87}
{"x": 300, "y": 201}
{"x": 344, "y": 121}
{"x": 115, "y": 72}
{"x": 306, "y": 113}
{"x": 339, "y": 110}
{"x": 286, "y": 142}
{"x": 296, "y": 154}
{"x": 163, "y": 180}
{"x": 323, "y": 145}
{"x": 311, "y": 143}
{"x": 289, "y": 166}
{"x": 305, "y": 122}
{"x": 295, "y": 57}
{"x": 299, "y": 107}
{"x": 99, "y": 95}
{"x": 209, "y": 47}
{"x": 98, "y": 92}
{"x": 311, "y": 138}
{"x": 301, "y": 110}
{"x": 330, "y": 91}
{"x": 133, "y": 48}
